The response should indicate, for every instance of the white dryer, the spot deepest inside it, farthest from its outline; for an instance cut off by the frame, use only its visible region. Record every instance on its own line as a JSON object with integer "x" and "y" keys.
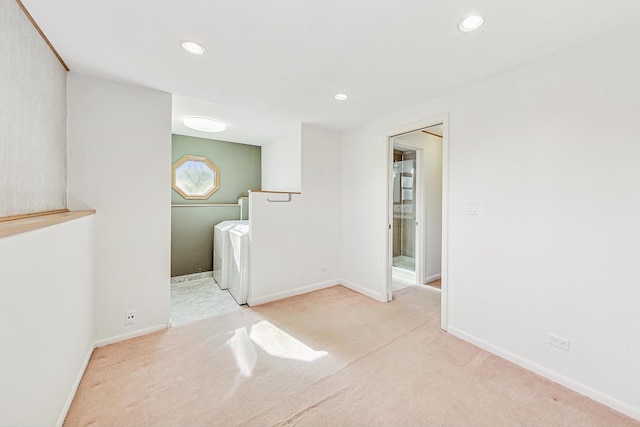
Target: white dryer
{"x": 220, "y": 240}
{"x": 238, "y": 256}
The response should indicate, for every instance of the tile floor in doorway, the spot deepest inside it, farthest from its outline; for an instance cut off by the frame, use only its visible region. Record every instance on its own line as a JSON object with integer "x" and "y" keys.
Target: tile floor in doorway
{"x": 198, "y": 299}
{"x": 400, "y": 282}
{"x": 404, "y": 262}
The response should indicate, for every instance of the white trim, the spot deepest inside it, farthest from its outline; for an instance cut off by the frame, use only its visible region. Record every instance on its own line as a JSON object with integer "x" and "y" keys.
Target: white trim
{"x": 388, "y": 291}
{"x": 432, "y": 278}
{"x": 574, "y": 385}
{"x": 291, "y": 292}
{"x": 364, "y": 291}
{"x": 134, "y": 334}
{"x": 316, "y": 287}
{"x": 444, "y": 273}
{"x": 192, "y": 276}
{"x": 74, "y": 387}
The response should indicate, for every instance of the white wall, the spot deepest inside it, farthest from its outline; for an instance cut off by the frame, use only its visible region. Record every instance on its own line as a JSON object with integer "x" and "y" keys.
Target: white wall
{"x": 33, "y": 90}
{"x": 46, "y": 319}
{"x": 550, "y": 153}
{"x": 281, "y": 163}
{"x": 119, "y": 147}
{"x": 363, "y": 198}
{"x": 290, "y": 242}
{"x": 433, "y": 180}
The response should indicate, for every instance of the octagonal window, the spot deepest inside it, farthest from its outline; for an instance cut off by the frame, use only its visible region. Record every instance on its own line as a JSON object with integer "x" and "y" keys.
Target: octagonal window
{"x": 195, "y": 177}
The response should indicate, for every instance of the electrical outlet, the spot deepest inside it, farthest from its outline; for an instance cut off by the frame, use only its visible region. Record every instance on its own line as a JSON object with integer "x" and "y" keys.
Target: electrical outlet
{"x": 558, "y": 342}
{"x": 472, "y": 208}
{"x": 323, "y": 269}
{"x": 129, "y": 317}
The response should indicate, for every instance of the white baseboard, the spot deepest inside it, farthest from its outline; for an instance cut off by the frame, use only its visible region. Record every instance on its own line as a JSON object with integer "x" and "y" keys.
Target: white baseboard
{"x": 74, "y": 387}
{"x": 192, "y": 276}
{"x": 134, "y": 334}
{"x": 315, "y": 287}
{"x": 364, "y": 291}
{"x": 576, "y": 386}
{"x": 432, "y": 278}
{"x": 290, "y": 293}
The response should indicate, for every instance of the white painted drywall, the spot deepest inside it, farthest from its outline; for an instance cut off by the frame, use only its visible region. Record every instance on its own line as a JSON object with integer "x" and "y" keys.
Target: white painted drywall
{"x": 363, "y": 242}
{"x": 281, "y": 163}
{"x": 433, "y": 184}
{"x": 290, "y": 242}
{"x": 120, "y": 164}
{"x": 550, "y": 152}
{"x": 33, "y": 101}
{"x": 46, "y": 319}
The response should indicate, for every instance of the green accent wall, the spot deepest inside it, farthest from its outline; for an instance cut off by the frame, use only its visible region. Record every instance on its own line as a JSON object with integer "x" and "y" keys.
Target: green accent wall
{"x": 192, "y": 226}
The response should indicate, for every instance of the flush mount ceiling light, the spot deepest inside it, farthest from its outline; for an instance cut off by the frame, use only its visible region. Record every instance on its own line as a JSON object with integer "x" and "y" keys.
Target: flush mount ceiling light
{"x": 341, "y": 97}
{"x": 192, "y": 47}
{"x": 470, "y": 23}
{"x": 204, "y": 124}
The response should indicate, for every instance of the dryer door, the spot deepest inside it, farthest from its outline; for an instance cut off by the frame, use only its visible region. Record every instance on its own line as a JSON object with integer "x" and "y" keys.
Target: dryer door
{"x": 238, "y": 262}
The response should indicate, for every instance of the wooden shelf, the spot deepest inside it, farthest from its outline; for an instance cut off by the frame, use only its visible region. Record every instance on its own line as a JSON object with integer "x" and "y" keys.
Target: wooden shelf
{"x": 34, "y": 222}
{"x": 275, "y": 192}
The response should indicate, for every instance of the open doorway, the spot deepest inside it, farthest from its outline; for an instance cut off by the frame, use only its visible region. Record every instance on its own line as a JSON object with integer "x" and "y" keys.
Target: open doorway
{"x": 210, "y": 179}
{"x": 417, "y": 196}
{"x": 404, "y": 225}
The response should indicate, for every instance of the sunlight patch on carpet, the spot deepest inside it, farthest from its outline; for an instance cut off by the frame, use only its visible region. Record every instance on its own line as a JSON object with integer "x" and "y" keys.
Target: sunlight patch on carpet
{"x": 278, "y": 343}
{"x": 243, "y": 352}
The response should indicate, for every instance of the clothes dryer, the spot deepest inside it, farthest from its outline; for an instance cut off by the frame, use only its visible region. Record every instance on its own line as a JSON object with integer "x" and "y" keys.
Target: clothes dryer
{"x": 220, "y": 240}
{"x": 238, "y": 257}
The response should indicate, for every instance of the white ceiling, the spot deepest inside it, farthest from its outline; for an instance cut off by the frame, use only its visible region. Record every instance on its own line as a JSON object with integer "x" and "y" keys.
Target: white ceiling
{"x": 272, "y": 64}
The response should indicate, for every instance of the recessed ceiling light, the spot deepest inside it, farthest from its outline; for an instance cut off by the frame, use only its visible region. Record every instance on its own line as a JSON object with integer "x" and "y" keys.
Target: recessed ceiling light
{"x": 204, "y": 124}
{"x": 341, "y": 97}
{"x": 192, "y": 47}
{"x": 470, "y": 23}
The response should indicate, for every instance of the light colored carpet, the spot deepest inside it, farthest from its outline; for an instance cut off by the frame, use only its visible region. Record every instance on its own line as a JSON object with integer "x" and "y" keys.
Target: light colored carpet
{"x": 328, "y": 358}
{"x": 198, "y": 299}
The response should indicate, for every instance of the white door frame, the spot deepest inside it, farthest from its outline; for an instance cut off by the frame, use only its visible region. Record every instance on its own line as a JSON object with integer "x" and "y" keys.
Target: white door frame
{"x": 390, "y": 134}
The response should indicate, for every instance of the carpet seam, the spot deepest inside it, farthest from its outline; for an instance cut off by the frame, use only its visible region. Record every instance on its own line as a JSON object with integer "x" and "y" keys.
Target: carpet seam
{"x": 328, "y": 377}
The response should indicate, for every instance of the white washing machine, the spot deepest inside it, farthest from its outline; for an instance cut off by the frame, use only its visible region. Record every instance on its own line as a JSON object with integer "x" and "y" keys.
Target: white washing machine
{"x": 220, "y": 240}
{"x": 238, "y": 256}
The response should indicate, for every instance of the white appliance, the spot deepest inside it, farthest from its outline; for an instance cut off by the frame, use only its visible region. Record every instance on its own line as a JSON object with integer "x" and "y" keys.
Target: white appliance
{"x": 220, "y": 240}
{"x": 238, "y": 256}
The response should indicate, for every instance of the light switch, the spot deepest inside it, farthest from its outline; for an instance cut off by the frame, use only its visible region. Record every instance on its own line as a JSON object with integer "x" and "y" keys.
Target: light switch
{"x": 472, "y": 208}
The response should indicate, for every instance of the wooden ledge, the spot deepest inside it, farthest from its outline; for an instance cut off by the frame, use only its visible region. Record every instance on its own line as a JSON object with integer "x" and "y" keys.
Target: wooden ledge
{"x": 275, "y": 192}
{"x": 34, "y": 222}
